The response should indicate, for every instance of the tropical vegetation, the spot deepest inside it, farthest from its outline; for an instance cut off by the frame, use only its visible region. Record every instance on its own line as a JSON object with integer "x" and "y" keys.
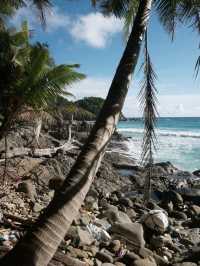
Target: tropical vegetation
{"x": 29, "y": 78}
{"x": 54, "y": 222}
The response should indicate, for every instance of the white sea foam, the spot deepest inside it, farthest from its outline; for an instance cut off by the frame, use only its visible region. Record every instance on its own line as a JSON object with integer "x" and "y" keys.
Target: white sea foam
{"x": 167, "y": 133}
{"x": 181, "y": 151}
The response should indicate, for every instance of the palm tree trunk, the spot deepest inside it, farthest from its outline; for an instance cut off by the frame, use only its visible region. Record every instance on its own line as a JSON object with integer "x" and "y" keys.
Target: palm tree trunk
{"x": 40, "y": 244}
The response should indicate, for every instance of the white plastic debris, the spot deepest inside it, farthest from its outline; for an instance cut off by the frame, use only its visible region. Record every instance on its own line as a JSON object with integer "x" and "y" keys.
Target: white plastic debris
{"x": 156, "y": 220}
{"x": 98, "y": 233}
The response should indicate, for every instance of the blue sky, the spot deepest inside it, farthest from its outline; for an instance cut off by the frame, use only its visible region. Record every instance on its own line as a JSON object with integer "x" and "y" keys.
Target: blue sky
{"x": 76, "y": 33}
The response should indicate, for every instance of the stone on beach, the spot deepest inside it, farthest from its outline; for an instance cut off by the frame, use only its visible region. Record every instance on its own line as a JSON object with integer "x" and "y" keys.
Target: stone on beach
{"x": 130, "y": 232}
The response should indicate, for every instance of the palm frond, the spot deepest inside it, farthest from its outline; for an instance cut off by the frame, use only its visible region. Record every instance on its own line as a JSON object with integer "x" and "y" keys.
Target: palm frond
{"x": 51, "y": 84}
{"x": 129, "y": 18}
{"x": 197, "y": 67}
{"x": 118, "y": 8}
{"x": 167, "y": 11}
{"x": 190, "y": 13}
{"x": 148, "y": 102}
{"x": 43, "y": 6}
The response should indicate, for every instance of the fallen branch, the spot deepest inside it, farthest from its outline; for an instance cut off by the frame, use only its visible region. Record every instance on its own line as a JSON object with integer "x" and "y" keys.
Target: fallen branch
{"x": 20, "y": 152}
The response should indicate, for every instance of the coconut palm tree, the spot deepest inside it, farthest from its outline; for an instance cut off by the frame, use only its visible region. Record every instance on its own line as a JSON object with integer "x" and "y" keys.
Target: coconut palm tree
{"x": 41, "y": 242}
{"x": 35, "y": 79}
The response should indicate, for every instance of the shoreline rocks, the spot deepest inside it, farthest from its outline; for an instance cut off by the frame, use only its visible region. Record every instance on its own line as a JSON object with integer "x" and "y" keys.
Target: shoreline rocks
{"x": 109, "y": 229}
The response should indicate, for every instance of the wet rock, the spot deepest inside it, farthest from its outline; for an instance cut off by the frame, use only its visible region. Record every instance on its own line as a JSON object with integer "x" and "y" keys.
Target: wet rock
{"x": 126, "y": 202}
{"x": 97, "y": 262}
{"x": 85, "y": 237}
{"x": 129, "y": 258}
{"x": 160, "y": 260}
{"x": 104, "y": 257}
{"x": 119, "y": 264}
{"x": 131, "y": 214}
{"x": 115, "y": 246}
{"x": 131, "y": 232}
{"x": 165, "y": 168}
{"x": 28, "y": 188}
{"x": 159, "y": 241}
{"x": 190, "y": 194}
{"x": 108, "y": 264}
{"x": 195, "y": 210}
{"x": 178, "y": 215}
{"x": 197, "y": 173}
{"x": 185, "y": 264}
{"x": 172, "y": 196}
{"x": 67, "y": 260}
{"x": 145, "y": 252}
{"x": 115, "y": 216}
{"x": 145, "y": 262}
{"x": 79, "y": 236}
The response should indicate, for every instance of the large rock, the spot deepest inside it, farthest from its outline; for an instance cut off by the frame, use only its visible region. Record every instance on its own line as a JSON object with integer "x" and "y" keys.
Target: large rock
{"x": 79, "y": 235}
{"x": 84, "y": 237}
{"x": 195, "y": 209}
{"x": 104, "y": 257}
{"x": 197, "y": 173}
{"x": 164, "y": 168}
{"x": 115, "y": 216}
{"x": 68, "y": 261}
{"x": 156, "y": 220}
{"x": 172, "y": 196}
{"x": 145, "y": 262}
{"x": 190, "y": 194}
{"x": 130, "y": 232}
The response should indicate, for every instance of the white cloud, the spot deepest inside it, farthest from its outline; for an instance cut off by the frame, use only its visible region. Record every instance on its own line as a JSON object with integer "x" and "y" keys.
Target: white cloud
{"x": 91, "y": 86}
{"x": 95, "y": 29}
{"x": 169, "y": 105}
{"x": 55, "y": 19}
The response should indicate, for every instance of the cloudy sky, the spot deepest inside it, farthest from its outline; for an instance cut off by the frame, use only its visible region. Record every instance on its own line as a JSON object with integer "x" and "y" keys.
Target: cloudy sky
{"x": 76, "y": 33}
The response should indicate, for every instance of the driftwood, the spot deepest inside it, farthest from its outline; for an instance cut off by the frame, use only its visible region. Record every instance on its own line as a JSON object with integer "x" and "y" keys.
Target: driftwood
{"x": 19, "y": 152}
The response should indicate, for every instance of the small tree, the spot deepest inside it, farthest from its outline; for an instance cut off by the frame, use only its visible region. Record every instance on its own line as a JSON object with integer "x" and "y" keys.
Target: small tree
{"x": 35, "y": 79}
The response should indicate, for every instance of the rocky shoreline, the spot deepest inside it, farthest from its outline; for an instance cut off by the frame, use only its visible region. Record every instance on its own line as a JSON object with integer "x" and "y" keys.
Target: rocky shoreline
{"x": 113, "y": 226}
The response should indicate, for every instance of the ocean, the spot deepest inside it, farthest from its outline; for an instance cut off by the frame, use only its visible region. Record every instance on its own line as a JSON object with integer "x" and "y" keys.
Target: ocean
{"x": 178, "y": 140}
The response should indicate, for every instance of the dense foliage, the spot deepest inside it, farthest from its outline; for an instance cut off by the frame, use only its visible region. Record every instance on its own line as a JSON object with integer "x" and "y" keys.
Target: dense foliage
{"x": 29, "y": 76}
{"x": 91, "y": 104}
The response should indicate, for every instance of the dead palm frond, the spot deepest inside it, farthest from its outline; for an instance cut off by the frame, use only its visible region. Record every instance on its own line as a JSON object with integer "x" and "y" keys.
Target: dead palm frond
{"x": 148, "y": 102}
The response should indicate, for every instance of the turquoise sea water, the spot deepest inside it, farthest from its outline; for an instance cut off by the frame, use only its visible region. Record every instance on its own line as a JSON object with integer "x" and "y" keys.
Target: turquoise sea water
{"x": 178, "y": 140}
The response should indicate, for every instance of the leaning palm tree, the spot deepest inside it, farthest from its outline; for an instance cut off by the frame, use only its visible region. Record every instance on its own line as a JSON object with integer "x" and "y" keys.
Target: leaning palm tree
{"x": 40, "y": 243}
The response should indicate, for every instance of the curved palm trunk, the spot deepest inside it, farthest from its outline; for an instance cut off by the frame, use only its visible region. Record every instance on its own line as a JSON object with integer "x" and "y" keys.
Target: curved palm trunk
{"x": 40, "y": 244}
